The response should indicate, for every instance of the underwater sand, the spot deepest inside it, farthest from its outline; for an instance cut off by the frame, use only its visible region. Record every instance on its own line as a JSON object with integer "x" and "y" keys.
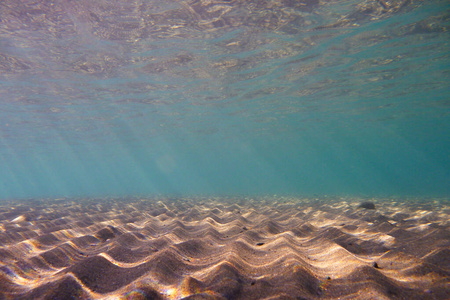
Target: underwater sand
{"x": 224, "y": 248}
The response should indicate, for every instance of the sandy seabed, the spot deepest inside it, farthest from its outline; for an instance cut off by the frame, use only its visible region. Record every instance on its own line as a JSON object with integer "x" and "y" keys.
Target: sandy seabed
{"x": 224, "y": 248}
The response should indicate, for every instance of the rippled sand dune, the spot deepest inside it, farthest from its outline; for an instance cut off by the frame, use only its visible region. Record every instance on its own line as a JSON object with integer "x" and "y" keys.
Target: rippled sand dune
{"x": 218, "y": 248}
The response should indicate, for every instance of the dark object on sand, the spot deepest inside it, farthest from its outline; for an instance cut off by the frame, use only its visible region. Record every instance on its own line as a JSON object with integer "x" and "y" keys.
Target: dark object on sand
{"x": 367, "y": 205}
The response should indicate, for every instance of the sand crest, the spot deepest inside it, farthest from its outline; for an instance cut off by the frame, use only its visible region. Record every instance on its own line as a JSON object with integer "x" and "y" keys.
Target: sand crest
{"x": 224, "y": 248}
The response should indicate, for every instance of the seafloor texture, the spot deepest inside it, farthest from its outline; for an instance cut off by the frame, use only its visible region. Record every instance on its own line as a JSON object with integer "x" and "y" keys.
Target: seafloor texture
{"x": 224, "y": 249}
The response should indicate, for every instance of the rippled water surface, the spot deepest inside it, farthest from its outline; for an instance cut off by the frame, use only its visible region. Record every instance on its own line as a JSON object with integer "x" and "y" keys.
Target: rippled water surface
{"x": 114, "y": 98}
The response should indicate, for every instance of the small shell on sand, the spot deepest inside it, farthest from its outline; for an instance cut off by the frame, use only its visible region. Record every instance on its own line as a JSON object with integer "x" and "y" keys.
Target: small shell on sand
{"x": 19, "y": 219}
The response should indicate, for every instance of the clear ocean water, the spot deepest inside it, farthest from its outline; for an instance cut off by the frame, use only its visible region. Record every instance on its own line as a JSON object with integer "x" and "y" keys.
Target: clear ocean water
{"x": 311, "y": 98}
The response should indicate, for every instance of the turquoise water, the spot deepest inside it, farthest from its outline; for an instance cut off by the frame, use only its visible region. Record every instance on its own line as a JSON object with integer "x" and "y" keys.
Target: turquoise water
{"x": 135, "y": 98}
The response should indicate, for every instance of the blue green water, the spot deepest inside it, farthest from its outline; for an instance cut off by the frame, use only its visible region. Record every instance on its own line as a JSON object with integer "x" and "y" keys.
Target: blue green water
{"x": 117, "y": 98}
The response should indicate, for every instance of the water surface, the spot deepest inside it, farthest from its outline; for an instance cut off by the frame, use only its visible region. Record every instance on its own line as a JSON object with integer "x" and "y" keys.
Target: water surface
{"x": 116, "y": 98}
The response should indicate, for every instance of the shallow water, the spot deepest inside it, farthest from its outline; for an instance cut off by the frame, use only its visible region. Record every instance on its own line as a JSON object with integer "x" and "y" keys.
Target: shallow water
{"x": 109, "y": 98}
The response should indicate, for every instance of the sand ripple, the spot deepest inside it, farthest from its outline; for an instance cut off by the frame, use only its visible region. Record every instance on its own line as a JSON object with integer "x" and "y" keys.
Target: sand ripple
{"x": 202, "y": 248}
